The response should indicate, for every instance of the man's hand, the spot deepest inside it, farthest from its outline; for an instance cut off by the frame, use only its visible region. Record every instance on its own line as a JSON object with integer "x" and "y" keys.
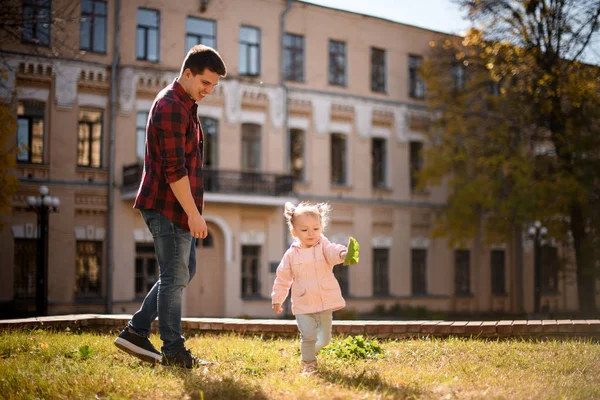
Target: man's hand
{"x": 277, "y": 308}
{"x": 197, "y": 226}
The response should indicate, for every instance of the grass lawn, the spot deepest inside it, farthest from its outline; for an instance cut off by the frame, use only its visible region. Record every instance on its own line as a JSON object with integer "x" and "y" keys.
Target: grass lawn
{"x": 64, "y": 365}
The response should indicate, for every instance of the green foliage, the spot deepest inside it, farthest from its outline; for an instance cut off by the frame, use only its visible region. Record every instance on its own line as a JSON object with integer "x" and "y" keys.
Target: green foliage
{"x": 517, "y": 137}
{"x": 354, "y": 347}
{"x": 352, "y": 253}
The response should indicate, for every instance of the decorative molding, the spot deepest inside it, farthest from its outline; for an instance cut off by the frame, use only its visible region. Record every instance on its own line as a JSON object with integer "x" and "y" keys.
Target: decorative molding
{"x": 90, "y": 232}
{"x": 419, "y": 242}
{"x": 340, "y": 127}
{"x": 252, "y": 238}
{"x": 253, "y": 117}
{"x": 40, "y": 94}
{"x": 233, "y": 100}
{"x": 364, "y": 118}
{"x": 321, "y": 114}
{"x": 25, "y": 231}
{"x": 381, "y": 242}
{"x": 142, "y": 235}
{"x": 210, "y": 112}
{"x": 381, "y": 132}
{"x": 276, "y": 106}
{"x": 400, "y": 122}
{"x": 298, "y": 123}
{"x": 127, "y": 90}
{"x": 92, "y": 100}
{"x": 143, "y": 105}
{"x": 66, "y": 84}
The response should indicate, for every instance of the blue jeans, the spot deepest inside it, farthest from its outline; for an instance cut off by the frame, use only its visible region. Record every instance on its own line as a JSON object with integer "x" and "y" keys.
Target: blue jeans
{"x": 315, "y": 333}
{"x": 175, "y": 250}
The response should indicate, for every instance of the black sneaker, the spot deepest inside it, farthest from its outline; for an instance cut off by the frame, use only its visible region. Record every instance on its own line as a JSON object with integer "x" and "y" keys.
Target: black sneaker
{"x": 184, "y": 359}
{"x": 138, "y": 346}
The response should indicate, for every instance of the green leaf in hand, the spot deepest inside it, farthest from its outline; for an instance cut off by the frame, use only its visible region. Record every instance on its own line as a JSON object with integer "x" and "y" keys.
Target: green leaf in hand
{"x": 352, "y": 253}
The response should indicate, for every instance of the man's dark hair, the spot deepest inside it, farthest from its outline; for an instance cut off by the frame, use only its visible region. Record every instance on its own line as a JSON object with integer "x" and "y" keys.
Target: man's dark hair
{"x": 201, "y": 57}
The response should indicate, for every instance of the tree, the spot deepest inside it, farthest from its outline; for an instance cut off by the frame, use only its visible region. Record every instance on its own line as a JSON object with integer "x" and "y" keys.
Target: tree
{"x": 518, "y": 126}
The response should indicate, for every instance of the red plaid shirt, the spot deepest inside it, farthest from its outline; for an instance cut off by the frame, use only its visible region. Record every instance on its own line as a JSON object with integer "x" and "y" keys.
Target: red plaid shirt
{"x": 173, "y": 150}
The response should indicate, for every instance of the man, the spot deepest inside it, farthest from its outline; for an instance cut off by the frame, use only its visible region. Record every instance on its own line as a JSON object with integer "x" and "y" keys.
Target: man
{"x": 170, "y": 199}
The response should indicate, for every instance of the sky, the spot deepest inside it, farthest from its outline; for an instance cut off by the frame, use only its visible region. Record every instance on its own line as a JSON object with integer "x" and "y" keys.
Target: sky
{"x": 438, "y": 15}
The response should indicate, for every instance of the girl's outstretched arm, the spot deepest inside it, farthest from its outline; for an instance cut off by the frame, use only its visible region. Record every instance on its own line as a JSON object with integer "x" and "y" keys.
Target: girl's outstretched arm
{"x": 283, "y": 280}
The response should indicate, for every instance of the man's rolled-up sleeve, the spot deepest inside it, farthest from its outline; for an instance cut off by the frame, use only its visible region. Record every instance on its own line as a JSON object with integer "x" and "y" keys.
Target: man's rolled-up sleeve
{"x": 171, "y": 123}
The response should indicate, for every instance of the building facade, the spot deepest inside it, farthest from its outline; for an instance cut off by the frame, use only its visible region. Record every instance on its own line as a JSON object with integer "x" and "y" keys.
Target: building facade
{"x": 318, "y": 104}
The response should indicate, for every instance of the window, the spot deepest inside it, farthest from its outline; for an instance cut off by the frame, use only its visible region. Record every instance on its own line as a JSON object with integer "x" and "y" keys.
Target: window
{"x": 462, "y": 272}
{"x": 297, "y": 154}
{"x": 416, "y": 163}
{"x": 549, "y": 271}
{"x": 293, "y": 57}
{"x": 25, "y": 268}
{"x": 458, "y": 77}
{"x": 88, "y": 269}
{"x": 337, "y": 63}
{"x": 251, "y": 153}
{"x": 200, "y": 31}
{"x": 146, "y": 269}
{"x": 338, "y": 159}
{"x": 249, "y": 51}
{"x": 140, "y": 135}
{"x": 378, "y": 74}
{"x": 381, "y": 275}
{"x": 89, "y": 139}
{"x": 92, "y": 31}
{"x": 498, "y": 277}
{"x": 341, "y": 274}
{"x": 36, "y": 22}
{"x": 419, "y": 272}
{"x": 416, "y": 83}
{"x": 378, "y": 162}
{"x": 210, "y": 130}
{"x": 250, "y": 271}
{"x": 147, "y": 35}
{"x": 30, "y": 131}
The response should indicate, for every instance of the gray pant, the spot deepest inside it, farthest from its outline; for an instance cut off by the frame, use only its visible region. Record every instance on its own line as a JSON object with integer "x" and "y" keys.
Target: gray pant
{"x": 315, "y": 333}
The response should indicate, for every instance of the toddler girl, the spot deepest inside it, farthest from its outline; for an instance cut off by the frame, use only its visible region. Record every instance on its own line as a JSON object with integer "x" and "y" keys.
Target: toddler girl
{"x": 307, "y": 267}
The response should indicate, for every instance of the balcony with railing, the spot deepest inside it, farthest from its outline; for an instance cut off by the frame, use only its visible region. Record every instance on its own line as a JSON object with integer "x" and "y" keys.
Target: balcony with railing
{"x": 222, "y": 182}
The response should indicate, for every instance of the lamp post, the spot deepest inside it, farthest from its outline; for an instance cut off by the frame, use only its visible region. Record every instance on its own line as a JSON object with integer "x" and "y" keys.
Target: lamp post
{"x": 43, "y": 205}
{"x": 537, "y": 233}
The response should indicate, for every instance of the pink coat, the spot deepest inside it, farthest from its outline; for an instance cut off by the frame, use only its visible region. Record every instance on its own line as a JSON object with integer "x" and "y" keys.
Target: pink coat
{"x": 309, "y": 272}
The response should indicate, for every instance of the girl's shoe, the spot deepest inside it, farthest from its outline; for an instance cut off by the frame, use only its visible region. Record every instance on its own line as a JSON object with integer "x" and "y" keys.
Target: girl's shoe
{"x": 309, "y": 367}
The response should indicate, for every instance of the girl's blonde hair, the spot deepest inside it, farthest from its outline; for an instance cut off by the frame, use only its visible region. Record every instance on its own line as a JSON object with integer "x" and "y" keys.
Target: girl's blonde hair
{"x": 320, "y": 210}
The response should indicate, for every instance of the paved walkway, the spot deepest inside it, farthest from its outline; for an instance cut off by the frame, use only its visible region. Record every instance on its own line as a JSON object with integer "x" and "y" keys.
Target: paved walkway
{"x": 381, "y": 329}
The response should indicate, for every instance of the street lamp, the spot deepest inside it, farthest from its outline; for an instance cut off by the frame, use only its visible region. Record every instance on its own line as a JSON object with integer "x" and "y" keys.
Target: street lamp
{"x": 537, "y": 233}
{"x": 43, "y": 205}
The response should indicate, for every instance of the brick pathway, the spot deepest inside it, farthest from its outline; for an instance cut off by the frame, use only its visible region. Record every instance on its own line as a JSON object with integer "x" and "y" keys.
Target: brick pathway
{"x": 381, "y": 329}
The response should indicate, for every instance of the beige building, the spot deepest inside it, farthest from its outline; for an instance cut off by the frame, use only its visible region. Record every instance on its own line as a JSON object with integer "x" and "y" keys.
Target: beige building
{"x": 318, "y": 104}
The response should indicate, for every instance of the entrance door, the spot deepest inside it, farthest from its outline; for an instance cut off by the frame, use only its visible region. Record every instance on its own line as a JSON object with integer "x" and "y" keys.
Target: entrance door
{"x": 205, "y": 295}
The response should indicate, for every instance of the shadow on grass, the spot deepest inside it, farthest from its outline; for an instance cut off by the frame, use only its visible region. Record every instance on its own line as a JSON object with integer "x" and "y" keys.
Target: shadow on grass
{"x": 198, "y": 385}
{"x": 372, "y": 381}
